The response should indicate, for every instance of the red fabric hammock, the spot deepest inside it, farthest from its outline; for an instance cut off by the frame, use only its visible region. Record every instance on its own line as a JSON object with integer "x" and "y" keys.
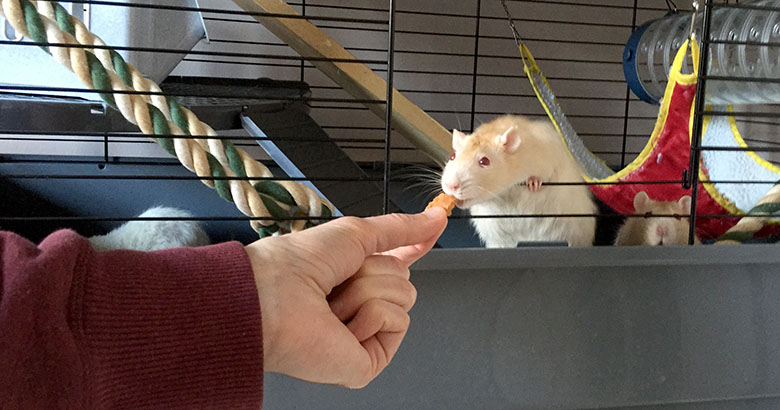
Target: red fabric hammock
{"x": 667, "y": 158}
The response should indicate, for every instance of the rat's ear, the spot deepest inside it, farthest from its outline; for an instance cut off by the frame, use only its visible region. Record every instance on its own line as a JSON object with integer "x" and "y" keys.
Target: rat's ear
{"x": 510, "y": 140}
{"x": 458, "y": 139}
{"x": 641, "y": 202}
{"x": 685, "y": 204}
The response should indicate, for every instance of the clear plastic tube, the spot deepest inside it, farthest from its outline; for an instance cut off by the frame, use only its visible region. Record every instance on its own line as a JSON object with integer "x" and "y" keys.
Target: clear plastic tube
{"x": 648, "y": 58}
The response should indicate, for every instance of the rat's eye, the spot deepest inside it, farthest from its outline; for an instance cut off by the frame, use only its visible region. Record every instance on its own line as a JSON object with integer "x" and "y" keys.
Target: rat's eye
{"x": 484, "y": 161}
{"x": 452, "y": 157}
{"x": 648, "y": 214}
{"x": 677, "y": 217}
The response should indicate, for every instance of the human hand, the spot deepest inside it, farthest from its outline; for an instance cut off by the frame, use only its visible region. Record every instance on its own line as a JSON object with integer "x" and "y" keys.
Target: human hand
{"x": 335, "y": 298}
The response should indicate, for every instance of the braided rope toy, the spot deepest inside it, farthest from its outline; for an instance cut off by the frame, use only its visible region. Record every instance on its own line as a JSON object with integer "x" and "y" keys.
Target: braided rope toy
{"x": 235, "y": 175}
{"x": 756, "y": 218}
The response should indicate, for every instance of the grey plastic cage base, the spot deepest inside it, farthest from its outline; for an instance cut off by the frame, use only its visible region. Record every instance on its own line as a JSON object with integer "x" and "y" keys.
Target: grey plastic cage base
{"x": 656, "y": 328}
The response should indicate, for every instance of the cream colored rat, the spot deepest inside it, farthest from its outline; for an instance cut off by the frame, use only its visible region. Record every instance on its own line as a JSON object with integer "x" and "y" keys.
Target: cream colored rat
{"x": 657, "y": 230}
{"x": 500, "y": 168}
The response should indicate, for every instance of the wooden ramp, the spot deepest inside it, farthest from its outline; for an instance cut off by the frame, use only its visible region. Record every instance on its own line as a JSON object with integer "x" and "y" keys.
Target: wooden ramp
{"x": 355, "y": 78}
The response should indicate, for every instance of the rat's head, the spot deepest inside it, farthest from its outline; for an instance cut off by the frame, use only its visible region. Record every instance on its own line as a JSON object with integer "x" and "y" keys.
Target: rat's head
{"x": 485, "y": 163}
{"x": 671, "y": 230}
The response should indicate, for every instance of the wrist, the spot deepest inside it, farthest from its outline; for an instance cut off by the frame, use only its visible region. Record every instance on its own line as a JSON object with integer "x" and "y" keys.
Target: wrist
{"x": 266, "y": 280}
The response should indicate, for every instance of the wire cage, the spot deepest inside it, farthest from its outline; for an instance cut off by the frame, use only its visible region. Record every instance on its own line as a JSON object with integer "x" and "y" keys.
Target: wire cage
{"x": 460, "y": 66}
{"x": 67, "y": 159}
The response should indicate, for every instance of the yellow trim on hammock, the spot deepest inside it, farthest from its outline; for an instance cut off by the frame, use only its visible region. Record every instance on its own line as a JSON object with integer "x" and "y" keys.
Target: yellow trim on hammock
{"x": 530, "y": 66}
{"x": 675, "y": 77}
{"x": 726, "y": 203}
{"x": 711, "y": 189}
{"x": 760, "y": 161}
{"x": 738, "y": 137}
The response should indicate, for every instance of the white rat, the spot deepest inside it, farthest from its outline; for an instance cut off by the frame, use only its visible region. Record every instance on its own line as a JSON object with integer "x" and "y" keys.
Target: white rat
{"x": 154, "y": 235}
{"x": 657, "y": 230}
{"x": 499, "y": 169}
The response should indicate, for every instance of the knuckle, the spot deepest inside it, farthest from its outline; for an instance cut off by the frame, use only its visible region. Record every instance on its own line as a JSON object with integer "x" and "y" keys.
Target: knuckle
{"x": 357, "y": 231}
{"x": 412, "y": 294}
{"x": 356, "y": 294}
{"x": 400, "y": 218}
{"x": 360, "y": 378}
{"x": 357, "y": 385}
{"x": 362, "y": 287}
{"x": 374, "y": 308}
{"x": 351, "y": 223}
{"x": 406, "y": 321}
{"x": 397, "y": 266}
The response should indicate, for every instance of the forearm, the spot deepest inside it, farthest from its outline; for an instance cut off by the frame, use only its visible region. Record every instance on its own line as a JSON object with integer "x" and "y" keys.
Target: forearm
{"x": 178, "y": 328}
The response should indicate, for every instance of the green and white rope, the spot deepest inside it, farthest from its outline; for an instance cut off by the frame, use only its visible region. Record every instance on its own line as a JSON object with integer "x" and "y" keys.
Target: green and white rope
{"x": 101, "y": 68}
{"x": 761, "y": 214}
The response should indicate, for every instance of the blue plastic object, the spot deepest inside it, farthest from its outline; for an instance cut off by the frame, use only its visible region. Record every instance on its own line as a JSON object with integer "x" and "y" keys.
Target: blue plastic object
{"x": 630, "y": 69}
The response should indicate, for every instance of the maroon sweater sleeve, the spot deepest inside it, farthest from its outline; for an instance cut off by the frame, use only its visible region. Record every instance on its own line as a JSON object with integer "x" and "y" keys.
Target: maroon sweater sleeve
{"x": 170, "y": 329}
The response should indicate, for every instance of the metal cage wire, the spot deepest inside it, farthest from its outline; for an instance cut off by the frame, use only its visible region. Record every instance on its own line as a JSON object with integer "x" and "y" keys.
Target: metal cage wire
{"x": 486, "y": 28}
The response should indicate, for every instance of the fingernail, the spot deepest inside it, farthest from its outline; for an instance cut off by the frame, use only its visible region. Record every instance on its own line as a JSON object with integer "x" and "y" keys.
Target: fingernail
{"x": 435, "y": 212}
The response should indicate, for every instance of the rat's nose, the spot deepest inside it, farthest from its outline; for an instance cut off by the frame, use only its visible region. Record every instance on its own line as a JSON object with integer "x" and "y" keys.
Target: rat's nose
{"x": 662, "y": 231}
{"x": 452, "y": 186}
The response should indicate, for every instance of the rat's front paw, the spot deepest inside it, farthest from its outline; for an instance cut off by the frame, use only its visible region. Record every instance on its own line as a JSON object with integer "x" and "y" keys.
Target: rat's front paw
{"x": 534, "y": 184}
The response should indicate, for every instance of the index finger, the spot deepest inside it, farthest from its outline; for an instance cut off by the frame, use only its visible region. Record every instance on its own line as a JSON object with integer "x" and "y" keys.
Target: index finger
{"x": 411, "y": 253}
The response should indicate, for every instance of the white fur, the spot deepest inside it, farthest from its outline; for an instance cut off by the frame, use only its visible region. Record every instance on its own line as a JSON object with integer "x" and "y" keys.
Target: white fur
{"x": 518, "y": 200}
{"x": 519, "y": 149}
{"x": 154, "y": 235}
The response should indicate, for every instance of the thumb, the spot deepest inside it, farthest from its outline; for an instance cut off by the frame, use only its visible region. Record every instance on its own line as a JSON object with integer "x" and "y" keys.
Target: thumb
{"x": 388, "y": 232}
{"x": 358, "y": 238}
{"x": 409, "y": 254}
